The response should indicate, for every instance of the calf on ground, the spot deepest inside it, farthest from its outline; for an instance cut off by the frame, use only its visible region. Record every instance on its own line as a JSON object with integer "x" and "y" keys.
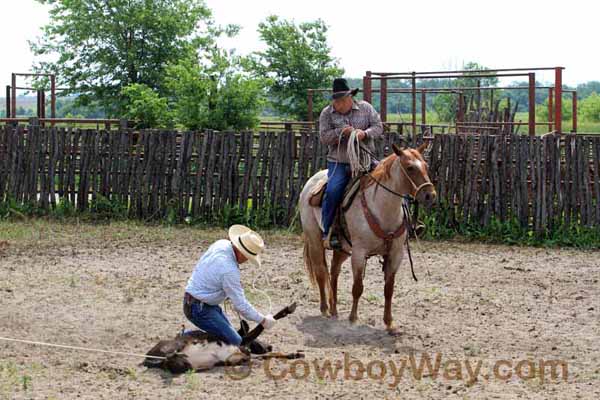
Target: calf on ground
{"x": 199, "y": 350}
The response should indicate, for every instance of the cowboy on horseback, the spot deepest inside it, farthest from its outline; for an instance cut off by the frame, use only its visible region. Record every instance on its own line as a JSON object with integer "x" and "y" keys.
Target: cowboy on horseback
{"x": 344, "y": 117}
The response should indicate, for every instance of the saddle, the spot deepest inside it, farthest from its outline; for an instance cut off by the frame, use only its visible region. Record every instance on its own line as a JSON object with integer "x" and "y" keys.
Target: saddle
{"x": 318, "y": 192}
{"x": 339, "y": 223}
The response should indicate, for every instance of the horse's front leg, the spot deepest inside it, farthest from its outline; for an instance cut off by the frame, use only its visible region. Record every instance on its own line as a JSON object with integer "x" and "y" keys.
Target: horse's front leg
{"x": 359, "y": 261}
{"x": 389, "y": 273}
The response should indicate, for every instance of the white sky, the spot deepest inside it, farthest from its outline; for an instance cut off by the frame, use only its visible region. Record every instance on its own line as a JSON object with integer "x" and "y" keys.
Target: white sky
{"x": 393, "y": 36}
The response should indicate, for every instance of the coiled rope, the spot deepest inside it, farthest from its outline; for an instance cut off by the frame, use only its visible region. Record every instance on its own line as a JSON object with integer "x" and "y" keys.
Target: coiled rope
{"x": 360, "y": 161}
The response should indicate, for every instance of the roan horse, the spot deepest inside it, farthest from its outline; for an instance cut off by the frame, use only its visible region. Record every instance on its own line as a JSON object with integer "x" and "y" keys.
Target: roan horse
{"x": 377, "y": 205}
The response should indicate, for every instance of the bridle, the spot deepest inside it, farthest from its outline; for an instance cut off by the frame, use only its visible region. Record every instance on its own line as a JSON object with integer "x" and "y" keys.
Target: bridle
{"x": 425, "y": 184}
{"x": 408, "y": 197}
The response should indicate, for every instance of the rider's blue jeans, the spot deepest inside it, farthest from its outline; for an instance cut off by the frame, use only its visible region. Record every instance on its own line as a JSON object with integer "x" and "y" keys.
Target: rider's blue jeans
{"x": 338, "y": 175}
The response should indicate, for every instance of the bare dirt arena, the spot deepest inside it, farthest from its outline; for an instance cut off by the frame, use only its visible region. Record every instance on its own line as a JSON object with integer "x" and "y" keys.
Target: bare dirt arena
{"x": 119, "y": 287}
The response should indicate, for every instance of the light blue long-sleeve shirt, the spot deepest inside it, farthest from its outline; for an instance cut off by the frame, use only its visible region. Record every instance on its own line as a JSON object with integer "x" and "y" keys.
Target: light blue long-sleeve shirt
{"x": 217, "y": 277}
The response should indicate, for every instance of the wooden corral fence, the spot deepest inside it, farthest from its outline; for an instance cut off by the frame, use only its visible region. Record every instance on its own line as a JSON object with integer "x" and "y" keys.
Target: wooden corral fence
{"x": 539, "y": 181}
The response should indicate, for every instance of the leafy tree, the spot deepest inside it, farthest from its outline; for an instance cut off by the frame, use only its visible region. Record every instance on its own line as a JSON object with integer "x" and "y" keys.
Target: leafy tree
{"x": 521, "y": 96}
{"x": 590, "y": 108}
{"x": 146, "y": 107}
{"x": 24, "y": 112}
{"x": 297, "y": 58}
{"x": 586, "y": 89}
{"x": 219, "y": 95}
{"x": 541, "y": 111}
{"x": 100, "y": 47}
{"x": 66, "y": 107}
{"x": 446, "y": 104}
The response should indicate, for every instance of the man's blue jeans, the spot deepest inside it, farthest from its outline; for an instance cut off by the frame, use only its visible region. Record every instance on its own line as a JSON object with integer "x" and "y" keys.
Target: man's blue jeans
{"x": 338, "y": 175}
{"x": 211, "y": 319}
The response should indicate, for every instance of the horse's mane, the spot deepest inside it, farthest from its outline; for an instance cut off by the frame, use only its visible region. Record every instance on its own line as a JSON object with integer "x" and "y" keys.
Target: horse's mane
{"x": 383, "y": 169}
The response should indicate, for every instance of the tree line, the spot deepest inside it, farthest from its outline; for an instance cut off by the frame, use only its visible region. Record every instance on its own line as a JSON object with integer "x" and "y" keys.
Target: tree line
{"x": 161, "y": 64}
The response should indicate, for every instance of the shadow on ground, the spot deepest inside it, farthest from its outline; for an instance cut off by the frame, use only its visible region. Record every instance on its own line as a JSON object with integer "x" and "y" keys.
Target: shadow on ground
{"x": 321, "y": 332}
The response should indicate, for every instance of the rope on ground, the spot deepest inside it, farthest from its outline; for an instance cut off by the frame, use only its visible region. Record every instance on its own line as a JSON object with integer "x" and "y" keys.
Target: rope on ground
{"x": 62, "y": 346}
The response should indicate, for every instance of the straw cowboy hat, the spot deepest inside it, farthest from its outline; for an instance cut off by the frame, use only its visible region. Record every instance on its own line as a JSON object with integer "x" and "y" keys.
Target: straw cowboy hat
{"x": 248, "y": 242}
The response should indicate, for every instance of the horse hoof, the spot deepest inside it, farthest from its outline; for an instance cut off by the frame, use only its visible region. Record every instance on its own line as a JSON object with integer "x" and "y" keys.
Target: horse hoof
{"x": 334, "y": 315}
{"x": 393, "y": 331}
{"x": 325, "y": 314}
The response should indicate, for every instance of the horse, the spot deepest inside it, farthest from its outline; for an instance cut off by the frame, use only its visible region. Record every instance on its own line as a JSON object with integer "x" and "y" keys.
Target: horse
{"x": 376, "y": 224}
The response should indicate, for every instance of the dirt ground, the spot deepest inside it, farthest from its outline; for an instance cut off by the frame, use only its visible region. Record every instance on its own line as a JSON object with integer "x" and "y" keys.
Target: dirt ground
{"x": 119, "y": 287}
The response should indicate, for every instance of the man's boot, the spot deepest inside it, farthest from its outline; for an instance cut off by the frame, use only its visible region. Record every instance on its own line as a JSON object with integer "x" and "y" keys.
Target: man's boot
{"x": 332, "y": 241}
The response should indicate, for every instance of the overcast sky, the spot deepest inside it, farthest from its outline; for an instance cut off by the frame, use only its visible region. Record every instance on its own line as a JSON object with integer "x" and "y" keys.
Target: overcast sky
{"x": 394, "y": 36}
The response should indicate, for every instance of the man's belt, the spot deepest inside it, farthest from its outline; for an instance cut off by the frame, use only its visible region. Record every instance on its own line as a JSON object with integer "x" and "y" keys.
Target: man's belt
{"x": 189, "y": 299}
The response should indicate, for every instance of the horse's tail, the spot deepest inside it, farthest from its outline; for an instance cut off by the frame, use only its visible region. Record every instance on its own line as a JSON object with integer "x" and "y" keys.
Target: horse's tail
{"x": 315, "y": 263}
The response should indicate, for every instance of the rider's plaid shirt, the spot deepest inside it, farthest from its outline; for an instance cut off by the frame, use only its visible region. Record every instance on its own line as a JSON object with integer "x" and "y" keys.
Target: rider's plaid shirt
{"x": 361, "y": 116}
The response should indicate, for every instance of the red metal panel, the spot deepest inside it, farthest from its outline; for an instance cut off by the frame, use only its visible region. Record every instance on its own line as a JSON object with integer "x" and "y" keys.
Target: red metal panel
{"x": 558, "y": 98}
{"x": 423, "y": 107}
{"x": 367, "y": 87}
{"x": 532, "y": 104}
{"x": 414, "y": 106}
{"x": 52, "y": 96}
{"x": 574, "y": 112}
{"x": 8, "y": 105}
{"x": 383, "y": 100}
{"x": 13, "y": 97}
{"x": 550, "y": 108}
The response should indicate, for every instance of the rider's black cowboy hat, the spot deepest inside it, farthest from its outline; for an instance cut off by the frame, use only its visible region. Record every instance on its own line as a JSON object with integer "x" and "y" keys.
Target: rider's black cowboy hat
{"x": 341, "y": 89}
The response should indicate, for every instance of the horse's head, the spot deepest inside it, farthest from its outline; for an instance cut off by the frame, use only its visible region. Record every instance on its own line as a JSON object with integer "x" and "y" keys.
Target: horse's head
{"x": 412, "y": 172}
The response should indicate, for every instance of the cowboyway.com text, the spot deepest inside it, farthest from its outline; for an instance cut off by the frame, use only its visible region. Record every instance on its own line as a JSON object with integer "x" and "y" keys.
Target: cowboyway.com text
{"x": 393, "y": 371}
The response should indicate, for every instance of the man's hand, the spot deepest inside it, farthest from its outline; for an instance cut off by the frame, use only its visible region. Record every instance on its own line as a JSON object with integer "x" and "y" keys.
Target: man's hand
{"x": 347, "y": 130}
{"x": 268, "y": 322}
{"x": 360, "y": 134}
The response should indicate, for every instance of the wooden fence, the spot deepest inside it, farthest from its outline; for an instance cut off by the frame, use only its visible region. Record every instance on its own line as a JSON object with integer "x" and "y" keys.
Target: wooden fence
{"x": 204, "y": 175}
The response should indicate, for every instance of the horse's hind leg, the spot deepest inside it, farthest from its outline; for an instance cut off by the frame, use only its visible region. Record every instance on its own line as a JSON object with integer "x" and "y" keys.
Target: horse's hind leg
{"x": 359, "y": 262}
{"x": 336, "y": 266}
{"x": 316, "y": 265}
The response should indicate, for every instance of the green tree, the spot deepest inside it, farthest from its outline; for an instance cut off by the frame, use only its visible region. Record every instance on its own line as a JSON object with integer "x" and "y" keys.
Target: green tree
{"x": 586, "y": 89}
{"x": 219, "y": 95}
{"x": 541, "y": 111}
{"x": 590, "y": 108}
{"x": 297, "y": 58}
{"x": 446, "y": 105}
{"x": 146, "y": 107}
{"x": 99, "y": 47}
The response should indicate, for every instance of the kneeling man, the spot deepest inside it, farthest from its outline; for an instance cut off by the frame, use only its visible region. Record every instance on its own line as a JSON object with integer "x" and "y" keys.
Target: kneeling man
{"x": 217, "y": 277}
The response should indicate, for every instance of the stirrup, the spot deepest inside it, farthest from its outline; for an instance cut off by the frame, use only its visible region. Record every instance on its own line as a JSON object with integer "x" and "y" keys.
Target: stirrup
{"x": 332, "y": 242}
